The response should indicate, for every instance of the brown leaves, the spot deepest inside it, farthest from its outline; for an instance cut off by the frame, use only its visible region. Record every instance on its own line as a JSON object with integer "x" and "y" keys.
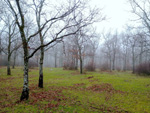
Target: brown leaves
{"x": 52, "y": 95}
{"x": 104, "y": 87}
{"x": 50, "y": 105}
{"x": 90, "y": 77}
{"x": 79, "y": 84}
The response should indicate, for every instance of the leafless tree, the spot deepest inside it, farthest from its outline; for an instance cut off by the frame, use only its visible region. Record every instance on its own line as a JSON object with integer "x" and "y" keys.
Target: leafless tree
{"x": 107, "y": 47}
{"x": 19, "y": 10}
{"x": 141, "y": 10}
{"x": 10, "y": 33}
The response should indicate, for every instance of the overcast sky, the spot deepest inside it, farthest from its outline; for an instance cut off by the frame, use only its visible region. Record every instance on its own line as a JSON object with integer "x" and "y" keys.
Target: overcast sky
{"x": 117, "y": 12}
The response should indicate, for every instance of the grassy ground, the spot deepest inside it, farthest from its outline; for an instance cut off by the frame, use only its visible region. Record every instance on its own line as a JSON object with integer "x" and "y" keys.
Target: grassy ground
{"x": 69, "y": 92}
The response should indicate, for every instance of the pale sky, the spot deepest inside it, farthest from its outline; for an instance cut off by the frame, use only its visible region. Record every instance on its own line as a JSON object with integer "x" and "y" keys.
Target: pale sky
{"x": 117, "y": 12}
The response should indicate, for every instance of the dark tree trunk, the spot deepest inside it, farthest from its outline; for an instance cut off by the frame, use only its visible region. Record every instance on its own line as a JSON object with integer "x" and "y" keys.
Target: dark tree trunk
{"x": 81, "y": 68}
{"x": 15, "y": 55}
{"x": 9, "y": 55}
{"x": 8, "y": 66}
{"x": 133, "y": 61}
{"x": 41, "y": 69}
{"x": 113, "y": 65}
{"x": 41, "y": 76}
{"x": 81, "y": 63}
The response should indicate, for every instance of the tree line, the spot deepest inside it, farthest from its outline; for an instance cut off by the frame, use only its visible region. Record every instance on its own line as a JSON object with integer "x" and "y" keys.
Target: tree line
{"x": 63, "y": 35}
{"x": 43, "y": 23}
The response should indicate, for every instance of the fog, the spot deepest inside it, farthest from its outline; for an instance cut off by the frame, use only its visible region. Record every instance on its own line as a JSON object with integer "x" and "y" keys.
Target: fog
{"x": 97, "y": 34}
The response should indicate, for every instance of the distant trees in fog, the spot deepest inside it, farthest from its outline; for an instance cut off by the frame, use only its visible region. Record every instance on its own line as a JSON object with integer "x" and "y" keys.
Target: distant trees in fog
{"x": 31, "y": 34}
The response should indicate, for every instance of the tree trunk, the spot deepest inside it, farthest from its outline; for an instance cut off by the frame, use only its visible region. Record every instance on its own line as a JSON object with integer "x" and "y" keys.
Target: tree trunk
{"x": 113, "y": 68}
{"x": 41, "y": 69}
{"x": 41, "y": 74}
{"x": 55, "y": 59}
{"x": 41, "y": 63}
{"x": 76, "y": 63}
{"x": 125, "y": 63}
{"x": 141, "y": 54}
{"x": 8, "y": 66}
{"x": 133, "y": 61}
{"x": 81, "y": 65}
{"x": 81, "y": 68}
{"x": 9, "y": 55}
{"x": 14, "y": 63}
{"x": 109, "y": 62}
{"x": 25, "y": 92}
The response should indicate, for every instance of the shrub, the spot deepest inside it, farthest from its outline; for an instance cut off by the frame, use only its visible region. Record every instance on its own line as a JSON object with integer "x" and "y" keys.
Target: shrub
{"x": 90, "y": 66}
{"x": 69, "y": 66}
{"x": 118, "y": 69}
{"x": 32, "y": 64}
{"x": 104, "y": 67}
{"x": 143, "y": 68}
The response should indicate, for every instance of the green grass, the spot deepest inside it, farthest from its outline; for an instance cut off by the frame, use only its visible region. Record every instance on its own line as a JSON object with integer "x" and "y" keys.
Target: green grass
{"x": 69, "y": 92}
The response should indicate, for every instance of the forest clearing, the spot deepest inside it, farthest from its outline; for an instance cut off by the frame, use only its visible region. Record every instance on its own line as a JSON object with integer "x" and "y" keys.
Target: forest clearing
{"x": 67, "y": 91}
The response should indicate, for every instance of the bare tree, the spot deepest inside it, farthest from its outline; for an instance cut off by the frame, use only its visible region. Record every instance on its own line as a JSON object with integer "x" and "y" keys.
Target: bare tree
{"x": 38, "y": 10}
{"x": 125, "y": 49}
{"x": 107, "y": 48}
{"x": 10, "y": 33}
{"x": 115, "y": 47}
{"x": 141, "y": 10}
{"x": 19, "y": 11}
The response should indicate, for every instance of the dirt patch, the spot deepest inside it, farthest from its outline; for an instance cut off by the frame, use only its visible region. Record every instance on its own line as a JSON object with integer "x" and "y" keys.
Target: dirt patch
{"x": 53, "y": 94}
{"x": 148, "y": 85}
{"x": 2, "y": 79}
{"x": 7, "y": 79}
{"x": 90, "y": 77}
{"x": 75, "y": 73}
{"x": 76, "y": 86}
{"x": 104, "y": 87}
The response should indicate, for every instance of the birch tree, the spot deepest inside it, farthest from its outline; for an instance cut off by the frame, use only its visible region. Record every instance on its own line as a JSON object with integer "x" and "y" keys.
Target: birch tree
{"x": 20, "y": 13}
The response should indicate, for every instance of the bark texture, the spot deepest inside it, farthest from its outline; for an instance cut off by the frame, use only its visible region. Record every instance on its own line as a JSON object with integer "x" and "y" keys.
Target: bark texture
{"x": 25, "y": 92}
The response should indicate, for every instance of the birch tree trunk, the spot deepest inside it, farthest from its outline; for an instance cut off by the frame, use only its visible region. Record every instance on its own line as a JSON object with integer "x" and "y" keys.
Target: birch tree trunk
{"x": 41, "y": 62}
{"x": 25, "y": 92}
